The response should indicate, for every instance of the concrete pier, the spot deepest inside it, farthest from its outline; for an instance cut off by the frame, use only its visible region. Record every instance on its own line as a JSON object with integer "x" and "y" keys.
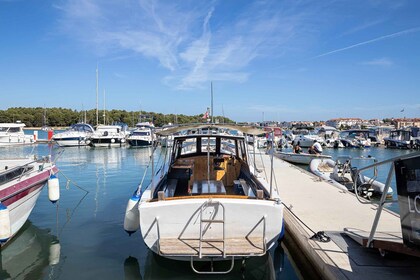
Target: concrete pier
{"x": 313, "y": 205}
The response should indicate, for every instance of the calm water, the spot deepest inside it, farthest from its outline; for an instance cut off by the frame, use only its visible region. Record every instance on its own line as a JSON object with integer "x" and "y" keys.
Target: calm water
{"x": 82, "y": 236}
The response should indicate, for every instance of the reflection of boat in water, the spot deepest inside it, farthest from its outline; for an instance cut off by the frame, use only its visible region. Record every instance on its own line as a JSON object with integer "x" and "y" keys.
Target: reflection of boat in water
{"x": 32, "y": 250}
{"x": 194, "y": 208}
{"x": 270, "y": 266}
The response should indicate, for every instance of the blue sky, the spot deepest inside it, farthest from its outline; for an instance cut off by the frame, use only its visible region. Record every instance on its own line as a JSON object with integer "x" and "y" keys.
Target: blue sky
{"x": 272, "y": 60}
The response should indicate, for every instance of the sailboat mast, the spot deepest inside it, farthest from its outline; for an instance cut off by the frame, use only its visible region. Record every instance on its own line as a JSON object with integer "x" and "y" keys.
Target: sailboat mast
{"x": 212, "y": 102}
{"x": 104, "y": 108}
{"x": 97, "y": 97}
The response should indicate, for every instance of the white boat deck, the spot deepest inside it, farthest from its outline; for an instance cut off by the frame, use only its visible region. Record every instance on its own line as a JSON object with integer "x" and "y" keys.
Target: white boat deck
{"x": 323, "y": 207}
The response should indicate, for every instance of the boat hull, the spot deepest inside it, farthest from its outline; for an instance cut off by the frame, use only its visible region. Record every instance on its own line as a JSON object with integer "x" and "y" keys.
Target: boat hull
{"x": 71, "y": 142}
{"x": 177, "y": 223}
{"x": 302, "y": 158}
{"x": 139, "y": 142}
{"x": 20, "y": 196}
{"x": 107, "y": 142}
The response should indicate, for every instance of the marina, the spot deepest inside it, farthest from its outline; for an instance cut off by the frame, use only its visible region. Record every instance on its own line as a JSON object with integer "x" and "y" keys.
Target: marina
{"x": 94, "y": 185}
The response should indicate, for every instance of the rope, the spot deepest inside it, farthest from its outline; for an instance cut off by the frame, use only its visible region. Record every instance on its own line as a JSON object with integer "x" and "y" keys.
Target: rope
{"x": 318, "y": 236}
{"x": 68, "y": 182}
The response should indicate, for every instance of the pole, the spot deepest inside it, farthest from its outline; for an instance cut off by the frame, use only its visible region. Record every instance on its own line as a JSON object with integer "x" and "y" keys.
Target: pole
{"x": 97, "y": 97}
{"x": 212, "y": 102}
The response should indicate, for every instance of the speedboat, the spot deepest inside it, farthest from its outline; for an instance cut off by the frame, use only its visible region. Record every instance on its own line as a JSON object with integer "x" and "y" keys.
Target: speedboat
{"x": 403, "y": 138}
{"x": 109, "y": 136}
{"x": 206, "y": 202}
{"x": 77, "y": 135}
{"x": 142, "y": 136}
{"x": 304, "y": 138}
{"x": 301, "y": 158}
{"x": 355, "y": 138}
{"x": 343, "y": 175}
{"x": 13, "y": 134}
{"x": 21, "y": 182}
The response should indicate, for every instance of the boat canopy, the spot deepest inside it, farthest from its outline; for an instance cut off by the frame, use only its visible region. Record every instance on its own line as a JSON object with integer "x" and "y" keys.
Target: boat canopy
{"x": 244, "y": 129}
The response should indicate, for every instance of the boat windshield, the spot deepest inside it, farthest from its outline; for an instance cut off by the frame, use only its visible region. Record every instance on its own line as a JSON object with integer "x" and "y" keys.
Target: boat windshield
{"x": 10, "y": 129}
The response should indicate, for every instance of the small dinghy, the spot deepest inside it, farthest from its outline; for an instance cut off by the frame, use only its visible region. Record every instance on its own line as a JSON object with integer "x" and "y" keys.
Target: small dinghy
{"x": 343, "y": 175}
{"x": 301, "y": 158}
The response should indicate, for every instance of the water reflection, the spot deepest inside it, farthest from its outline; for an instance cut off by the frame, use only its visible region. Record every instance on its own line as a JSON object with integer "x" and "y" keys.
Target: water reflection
{"x": 30, "y": 252}
{"x": 269, "y": 266}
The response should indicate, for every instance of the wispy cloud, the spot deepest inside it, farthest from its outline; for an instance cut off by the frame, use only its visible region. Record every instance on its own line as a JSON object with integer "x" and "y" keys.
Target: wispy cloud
{"x": 389, "y": 36}
{"x": 384, "y": 62}
{"x": 184, "y": 37}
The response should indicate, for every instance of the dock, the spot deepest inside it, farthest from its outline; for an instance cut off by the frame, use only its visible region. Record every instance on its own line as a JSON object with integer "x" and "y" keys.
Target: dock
{"x": 313, "y": 205}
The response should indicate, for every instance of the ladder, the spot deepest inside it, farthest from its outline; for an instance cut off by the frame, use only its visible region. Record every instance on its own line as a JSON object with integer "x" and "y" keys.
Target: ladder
{"x": 204, "y": 222}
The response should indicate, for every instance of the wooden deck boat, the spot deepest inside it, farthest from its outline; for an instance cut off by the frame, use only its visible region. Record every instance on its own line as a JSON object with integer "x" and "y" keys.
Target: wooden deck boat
{"x": 205, "y": 201}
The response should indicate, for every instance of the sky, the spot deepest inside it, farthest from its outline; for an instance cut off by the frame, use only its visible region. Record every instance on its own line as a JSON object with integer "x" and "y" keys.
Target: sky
{"x": 280, "y": 60}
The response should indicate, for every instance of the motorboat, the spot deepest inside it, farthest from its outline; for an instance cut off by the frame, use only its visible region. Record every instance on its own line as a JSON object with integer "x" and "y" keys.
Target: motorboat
{"x": 21, "y": 182}
{"x": 206, "y": 201}
{"x": 355, "y": 138}
{"x": 305, "y": 138}
{"x": 403, "y": 138}
{"x": 77, "y": 135}
{"x": 299, "y": 158}
{"x": 343, "y": 175}
{"x": 13, "y": 134}
{"x": 142, "y": 136}
{"x": 109, "y": 136}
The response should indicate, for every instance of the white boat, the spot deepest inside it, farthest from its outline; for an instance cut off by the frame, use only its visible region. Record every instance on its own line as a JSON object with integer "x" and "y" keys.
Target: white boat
{"x": 355, "y": 138}
{"x": 343, "y": 175}
{"x": 301, "y": 158}
{"x": 77, "y": 135}
{"x": 142, "y": 136}
{"x": 109, "y": 136}
{"x": 21, "y": 182}
{"x": 205, "y": 201}
{"x": 13, "y": 134}
{"x": 403, "y": 138}
{"x": 305, "y": 138}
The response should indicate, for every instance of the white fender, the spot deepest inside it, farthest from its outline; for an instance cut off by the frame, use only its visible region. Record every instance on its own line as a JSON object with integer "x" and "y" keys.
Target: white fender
{"x": 132, "y": 215}
{"x": 5, "y": 228}
{"x": 53, "y": 189}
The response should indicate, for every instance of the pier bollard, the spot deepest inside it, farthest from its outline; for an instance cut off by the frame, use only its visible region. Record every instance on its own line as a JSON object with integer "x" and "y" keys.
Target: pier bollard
{"x": 35, "y": 135}
{"x": 50, "y": 134}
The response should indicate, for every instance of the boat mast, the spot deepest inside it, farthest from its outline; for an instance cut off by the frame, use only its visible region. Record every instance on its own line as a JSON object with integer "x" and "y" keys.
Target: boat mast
{"x": 97, "y": 97}
{"x": 211, "y": 102}
{"x": 104, "y": 108}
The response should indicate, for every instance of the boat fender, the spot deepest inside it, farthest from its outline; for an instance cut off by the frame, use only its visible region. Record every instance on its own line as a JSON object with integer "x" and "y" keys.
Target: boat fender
{"x": 55, "y": 249}
{"x": 53, "y": 189}
{"x": 5, "y": 229}
{"x": 132, "y": 215}
{"x": 112, "y": 140}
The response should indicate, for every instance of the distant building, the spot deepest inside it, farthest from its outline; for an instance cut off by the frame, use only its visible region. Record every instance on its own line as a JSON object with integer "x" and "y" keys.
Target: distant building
{"x": 404, "y": 122}
{"x": 346, "y": 122}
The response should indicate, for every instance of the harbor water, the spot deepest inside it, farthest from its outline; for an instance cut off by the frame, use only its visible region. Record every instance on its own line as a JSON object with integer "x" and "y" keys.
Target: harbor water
{"x": 82, "y": 235}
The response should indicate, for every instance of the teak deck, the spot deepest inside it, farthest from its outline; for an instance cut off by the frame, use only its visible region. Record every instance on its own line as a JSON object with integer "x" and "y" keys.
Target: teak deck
{"x": 233, "y": 246}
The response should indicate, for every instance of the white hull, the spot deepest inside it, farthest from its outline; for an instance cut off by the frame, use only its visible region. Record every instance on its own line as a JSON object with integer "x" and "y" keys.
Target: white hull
{"x": 16, "y": 140}
{"x": 71, "y": 143}
{"x": 302, "y": 158}
{"x": 20, "y": 194}
{"x": 324, "y": 168}
{"x": 180, "y": 220}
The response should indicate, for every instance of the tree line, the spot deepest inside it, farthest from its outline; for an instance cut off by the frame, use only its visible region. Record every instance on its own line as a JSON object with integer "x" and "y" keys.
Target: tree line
{"x": 63, "y": 117}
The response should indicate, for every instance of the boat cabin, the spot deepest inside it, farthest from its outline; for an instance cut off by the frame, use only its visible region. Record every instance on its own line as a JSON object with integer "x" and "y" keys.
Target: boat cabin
{"x": 208, "y": 165}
